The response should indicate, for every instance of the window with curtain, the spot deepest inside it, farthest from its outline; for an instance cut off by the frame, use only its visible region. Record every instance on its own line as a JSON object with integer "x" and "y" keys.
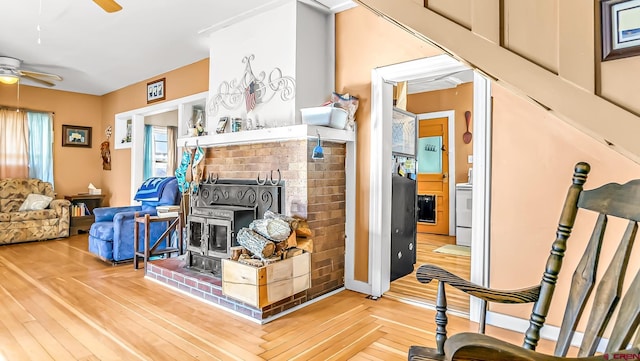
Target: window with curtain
{"x": 159, "y": 151}
{"x": 155, "y": 151}
{"x": 14, "y": 144}
{"x": 26, "y": 145}
{"x": 40, "y": 146}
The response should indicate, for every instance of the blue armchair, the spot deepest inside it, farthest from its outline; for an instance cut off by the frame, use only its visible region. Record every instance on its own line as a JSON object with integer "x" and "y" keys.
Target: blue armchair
{"x": 111, "y": 236}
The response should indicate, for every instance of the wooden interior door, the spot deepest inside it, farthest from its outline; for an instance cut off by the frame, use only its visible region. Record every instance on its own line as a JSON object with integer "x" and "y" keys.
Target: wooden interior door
{"x": 433, "y": 172}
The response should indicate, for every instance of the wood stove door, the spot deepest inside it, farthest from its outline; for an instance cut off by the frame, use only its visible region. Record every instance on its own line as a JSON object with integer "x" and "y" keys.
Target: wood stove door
{"x": 219, "y": 234}
{"x": 196, "y": 232}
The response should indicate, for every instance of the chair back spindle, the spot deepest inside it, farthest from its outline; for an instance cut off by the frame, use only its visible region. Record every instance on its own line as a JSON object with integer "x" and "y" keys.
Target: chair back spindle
{"x": 554, "y": 262}
{"x": 584, "y": 278}
{"x": 628, "y": 319}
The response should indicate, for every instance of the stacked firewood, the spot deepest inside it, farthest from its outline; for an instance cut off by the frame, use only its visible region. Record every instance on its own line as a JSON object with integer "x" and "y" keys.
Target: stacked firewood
{"x": 272, "y": 238}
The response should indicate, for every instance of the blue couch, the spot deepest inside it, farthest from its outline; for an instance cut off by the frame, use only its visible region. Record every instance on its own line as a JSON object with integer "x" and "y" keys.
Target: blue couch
{"x": 111, "y": 236}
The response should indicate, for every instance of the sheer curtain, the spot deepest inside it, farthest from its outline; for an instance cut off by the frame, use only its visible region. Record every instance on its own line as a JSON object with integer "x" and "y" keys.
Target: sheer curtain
{"x": 147, "y": 164}
{"x": 172, "y": 150}
{"x": 40, "y": 146}
{"x": 14, "y": 144}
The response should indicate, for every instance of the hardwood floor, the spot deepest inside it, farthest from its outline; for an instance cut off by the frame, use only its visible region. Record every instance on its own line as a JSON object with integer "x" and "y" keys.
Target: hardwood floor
{"x": 58, "y": 302}
{"x": 408, "y": 288}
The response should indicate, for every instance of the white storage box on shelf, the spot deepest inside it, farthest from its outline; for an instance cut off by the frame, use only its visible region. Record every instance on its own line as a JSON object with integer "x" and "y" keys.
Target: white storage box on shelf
{"x": 327, "y": 116}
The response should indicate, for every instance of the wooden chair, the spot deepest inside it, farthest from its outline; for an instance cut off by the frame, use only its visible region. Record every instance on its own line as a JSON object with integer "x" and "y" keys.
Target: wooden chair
{"x": 610, "y": 200}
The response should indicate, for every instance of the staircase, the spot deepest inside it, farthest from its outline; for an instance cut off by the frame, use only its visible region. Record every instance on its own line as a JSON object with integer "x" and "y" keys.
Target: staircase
{"x": 547, "y": 50}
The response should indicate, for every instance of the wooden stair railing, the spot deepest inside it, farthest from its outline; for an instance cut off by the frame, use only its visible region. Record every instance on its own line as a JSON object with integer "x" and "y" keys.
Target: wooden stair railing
{"x": 610, "y": 200}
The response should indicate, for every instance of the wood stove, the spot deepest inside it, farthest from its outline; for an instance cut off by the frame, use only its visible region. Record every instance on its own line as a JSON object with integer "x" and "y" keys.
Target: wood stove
{"x": 212, "y": 232}
{"x": 218, "y": 211}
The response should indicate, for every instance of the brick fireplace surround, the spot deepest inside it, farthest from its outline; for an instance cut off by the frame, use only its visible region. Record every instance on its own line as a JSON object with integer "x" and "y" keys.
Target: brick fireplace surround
{"x": 315, "y": 190}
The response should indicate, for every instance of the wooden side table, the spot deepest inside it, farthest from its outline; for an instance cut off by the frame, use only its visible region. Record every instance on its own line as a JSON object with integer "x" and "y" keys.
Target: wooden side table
{"x": 150, "y": 249}
{"x": 83, "y": 223}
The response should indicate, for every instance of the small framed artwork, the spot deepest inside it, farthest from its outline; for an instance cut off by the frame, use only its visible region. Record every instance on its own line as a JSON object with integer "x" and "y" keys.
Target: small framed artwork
{"x": 156, "y": 90}
{"x": 76, "y": 136}
{"x": 620, "y": 28}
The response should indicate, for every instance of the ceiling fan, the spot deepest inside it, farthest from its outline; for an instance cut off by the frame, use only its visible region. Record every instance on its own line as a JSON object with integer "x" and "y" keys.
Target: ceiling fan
{"x": 109, "y": 6}
{"x": 10, "y": 73}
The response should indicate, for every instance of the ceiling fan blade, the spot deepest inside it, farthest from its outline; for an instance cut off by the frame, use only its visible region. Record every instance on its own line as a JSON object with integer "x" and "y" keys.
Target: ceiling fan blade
{"x": 37, "y": 74}
{"x": 109, "y": 6}
{"x": 37, "y": 80}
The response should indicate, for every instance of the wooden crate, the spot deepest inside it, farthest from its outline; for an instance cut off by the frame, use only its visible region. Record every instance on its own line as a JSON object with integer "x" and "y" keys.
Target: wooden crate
{"x": 261, "y": 286}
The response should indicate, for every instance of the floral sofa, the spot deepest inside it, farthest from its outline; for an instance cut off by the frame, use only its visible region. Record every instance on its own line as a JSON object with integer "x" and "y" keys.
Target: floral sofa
{"x": 30, "y": 225}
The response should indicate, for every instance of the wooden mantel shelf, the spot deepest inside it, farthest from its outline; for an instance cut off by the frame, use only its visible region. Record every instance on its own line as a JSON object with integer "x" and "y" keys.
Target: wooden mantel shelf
{"x": 292, "y": 132}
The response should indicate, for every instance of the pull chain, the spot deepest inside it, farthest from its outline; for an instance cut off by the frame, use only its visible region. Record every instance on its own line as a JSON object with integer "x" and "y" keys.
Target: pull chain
{"x": 18, "y": 100}
{"x": 39, "y": 18}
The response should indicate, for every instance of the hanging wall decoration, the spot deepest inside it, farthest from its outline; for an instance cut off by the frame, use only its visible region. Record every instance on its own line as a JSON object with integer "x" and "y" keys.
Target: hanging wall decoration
{"x": 251, "y": 89}
{"x": 105, "y": 153}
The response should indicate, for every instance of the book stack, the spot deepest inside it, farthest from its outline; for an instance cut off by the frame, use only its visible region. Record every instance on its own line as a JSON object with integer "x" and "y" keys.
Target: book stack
{"x": 168, "y": 211}
{"x": 79, "y": 210}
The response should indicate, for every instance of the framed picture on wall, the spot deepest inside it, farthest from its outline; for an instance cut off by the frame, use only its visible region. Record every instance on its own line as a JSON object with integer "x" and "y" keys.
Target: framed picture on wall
{"x": 156, "y": 90}
{"x": 76, "y": 136}
{"x": 620, "y": 28}
{"x": 403, "y": 132}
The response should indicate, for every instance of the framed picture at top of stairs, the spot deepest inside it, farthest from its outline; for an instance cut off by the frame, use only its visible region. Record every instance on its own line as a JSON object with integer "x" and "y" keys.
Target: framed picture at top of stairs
{"x": 620, "y": 28}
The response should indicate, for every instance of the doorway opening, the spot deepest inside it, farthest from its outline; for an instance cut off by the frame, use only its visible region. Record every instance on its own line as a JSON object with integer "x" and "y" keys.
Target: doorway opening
{"x": 441, "y": 169}
{"x": 383, "y": 80}
{"x": 151, "y": 115}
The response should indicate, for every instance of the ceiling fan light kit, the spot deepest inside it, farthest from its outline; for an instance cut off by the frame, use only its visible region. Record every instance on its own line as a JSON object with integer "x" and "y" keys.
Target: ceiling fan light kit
{"x": 7, "y": 78}
{"x": 11, "y": 72}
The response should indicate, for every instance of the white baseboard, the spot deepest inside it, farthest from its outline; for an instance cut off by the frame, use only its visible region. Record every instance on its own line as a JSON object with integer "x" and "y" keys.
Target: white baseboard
{"x": 547, "y": 332}
{"x": 357, "y": 286}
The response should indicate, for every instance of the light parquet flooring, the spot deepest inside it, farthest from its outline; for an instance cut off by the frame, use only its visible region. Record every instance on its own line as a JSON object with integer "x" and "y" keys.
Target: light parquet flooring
{"x": 58, "y": 302}
{"x": 408, "y": 288}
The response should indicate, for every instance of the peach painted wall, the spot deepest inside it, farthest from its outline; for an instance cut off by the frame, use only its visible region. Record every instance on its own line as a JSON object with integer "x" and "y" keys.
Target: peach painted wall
{"x": 548, "y": 49}
{"x": 363, "y": 42}
{"x": 534, "y": 154}
{"x": 188, "y": 80}
{"x": 459, "y": 99}
{"x": 533, "y": 157}
{"x": 73, "y": 168}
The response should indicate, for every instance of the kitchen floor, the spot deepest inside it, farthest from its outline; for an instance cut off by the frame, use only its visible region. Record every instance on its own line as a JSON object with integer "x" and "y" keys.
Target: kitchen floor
{"x": 408, "y": 288}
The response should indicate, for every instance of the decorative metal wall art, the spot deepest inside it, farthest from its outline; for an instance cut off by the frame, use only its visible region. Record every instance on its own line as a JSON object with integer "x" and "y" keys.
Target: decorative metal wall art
{"x": 251, "y": 90}
{"x": 269, "y": 178}
{"x": 242, "y": 193}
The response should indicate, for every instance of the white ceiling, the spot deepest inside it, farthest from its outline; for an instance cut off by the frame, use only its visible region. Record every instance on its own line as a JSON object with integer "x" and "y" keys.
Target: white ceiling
{"x": 445, "y": 80}
{"x": 97, "y": 52}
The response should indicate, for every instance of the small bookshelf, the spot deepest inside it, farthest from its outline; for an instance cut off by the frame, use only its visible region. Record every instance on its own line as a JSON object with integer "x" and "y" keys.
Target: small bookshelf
{"x": 81, "y": 211}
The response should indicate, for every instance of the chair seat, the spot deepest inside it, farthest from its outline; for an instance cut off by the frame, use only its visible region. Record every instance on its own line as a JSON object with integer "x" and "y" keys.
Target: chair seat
{"x": 421, "y": 353}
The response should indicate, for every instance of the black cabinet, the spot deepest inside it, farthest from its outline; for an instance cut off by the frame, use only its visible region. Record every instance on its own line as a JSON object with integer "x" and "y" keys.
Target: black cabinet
{"x": 403, "y": 226}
